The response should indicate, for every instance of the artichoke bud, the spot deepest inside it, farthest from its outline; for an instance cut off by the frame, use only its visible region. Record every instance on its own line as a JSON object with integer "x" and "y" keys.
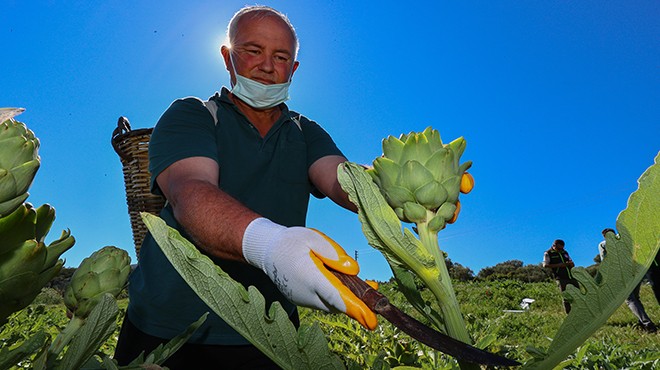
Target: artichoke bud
{"x": 431, "y": 195}
{"x": 436, "y": 224}
{"x": 447, "y": 210}
{"x": 417, "y": 168}
{"x": 105, "y": 271}
{"x": 413, "y": 212}
{"x": 26, "y": 263}
{"x": 19, "y": 160}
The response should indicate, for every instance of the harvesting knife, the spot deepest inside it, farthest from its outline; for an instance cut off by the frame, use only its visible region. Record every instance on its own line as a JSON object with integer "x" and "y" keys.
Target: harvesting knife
{"x": 379, "y": 303}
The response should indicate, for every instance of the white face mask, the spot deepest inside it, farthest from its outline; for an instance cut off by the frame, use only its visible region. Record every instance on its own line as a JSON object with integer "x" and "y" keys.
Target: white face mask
{"x": 256, "y": 94}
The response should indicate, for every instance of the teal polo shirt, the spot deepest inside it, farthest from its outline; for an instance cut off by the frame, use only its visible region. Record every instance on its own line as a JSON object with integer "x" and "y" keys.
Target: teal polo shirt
{"x": 267, "y": 174}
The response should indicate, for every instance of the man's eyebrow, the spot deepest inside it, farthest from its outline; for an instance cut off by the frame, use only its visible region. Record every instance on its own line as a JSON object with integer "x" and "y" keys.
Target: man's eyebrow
{"x": 250, "y": 44}
{"x": 257, "y": 45}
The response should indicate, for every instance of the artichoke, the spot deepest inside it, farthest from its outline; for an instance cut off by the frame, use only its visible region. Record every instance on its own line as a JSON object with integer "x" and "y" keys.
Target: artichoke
{"x": 19, "y": 160}
{"x": 26, "y": 263}
{"x": 105, "y": 271}
{"x": 420, "y": 177}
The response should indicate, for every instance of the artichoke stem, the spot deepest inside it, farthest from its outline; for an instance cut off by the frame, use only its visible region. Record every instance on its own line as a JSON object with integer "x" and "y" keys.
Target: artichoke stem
{"x": 64, "y": 337}
{"x": 443, "y": 290}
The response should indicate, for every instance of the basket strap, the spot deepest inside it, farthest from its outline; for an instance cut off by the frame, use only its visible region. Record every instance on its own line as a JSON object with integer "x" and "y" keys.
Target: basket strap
{"x": 213, "y": 109}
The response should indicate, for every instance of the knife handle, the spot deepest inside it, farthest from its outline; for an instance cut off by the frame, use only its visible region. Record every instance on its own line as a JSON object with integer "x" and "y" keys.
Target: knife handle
{"x": 370, "y": 296}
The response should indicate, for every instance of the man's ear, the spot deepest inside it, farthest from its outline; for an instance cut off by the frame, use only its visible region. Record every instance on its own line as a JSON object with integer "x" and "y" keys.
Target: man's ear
{"x": 295, "y": 67}
{"x": 224, "y": 50}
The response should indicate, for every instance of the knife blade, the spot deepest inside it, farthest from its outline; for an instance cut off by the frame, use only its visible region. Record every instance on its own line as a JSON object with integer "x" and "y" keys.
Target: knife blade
{"x": 380, "y": 304}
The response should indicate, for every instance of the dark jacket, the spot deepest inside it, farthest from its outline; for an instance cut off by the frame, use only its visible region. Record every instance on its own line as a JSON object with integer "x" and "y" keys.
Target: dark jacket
{"x": 560, "y": 273}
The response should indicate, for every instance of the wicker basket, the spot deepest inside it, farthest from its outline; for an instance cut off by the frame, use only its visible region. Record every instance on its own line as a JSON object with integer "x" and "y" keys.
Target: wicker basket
{"x": 133, "y": 149}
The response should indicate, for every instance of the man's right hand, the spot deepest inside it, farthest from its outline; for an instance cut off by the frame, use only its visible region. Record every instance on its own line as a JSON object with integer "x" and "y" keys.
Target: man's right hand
{"x": 297, "y": 260}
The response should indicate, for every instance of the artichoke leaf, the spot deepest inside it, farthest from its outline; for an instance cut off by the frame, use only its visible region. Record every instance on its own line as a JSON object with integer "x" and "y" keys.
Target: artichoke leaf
{"x": 272, "y": 333}
{"x": 7, "y": 113}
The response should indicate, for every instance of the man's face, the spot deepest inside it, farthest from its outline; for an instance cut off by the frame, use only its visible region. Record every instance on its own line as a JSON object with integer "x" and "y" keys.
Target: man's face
{"x": 558, "y": 246}
{"x": 263, "y": 50}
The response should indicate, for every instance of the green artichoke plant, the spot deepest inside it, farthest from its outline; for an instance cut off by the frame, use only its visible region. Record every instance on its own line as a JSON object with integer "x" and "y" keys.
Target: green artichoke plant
{"x": 26, "y": 263}
{"x": 19, "y": 160}
{"x": 418, "y": 180}
{"x": 105, "y": 271}
{"x": 420, "y": 177}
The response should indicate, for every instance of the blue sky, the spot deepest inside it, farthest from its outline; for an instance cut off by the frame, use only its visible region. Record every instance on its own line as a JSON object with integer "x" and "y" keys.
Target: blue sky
{"x": 558, "y": 102}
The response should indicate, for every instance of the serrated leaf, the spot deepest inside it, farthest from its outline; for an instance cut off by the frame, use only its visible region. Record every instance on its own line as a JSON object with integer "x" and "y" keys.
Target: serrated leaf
{"x": 273, "y": 334}
{"x": 159, "y": 355}
{"x": 99, "y": 325}
{"x": 628, "y": 258}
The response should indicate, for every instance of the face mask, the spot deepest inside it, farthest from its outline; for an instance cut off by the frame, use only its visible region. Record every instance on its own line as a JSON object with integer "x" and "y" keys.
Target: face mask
{"x": 256, "y": 94}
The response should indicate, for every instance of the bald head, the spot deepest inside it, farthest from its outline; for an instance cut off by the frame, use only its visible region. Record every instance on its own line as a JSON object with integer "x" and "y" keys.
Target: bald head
{"x": 259, "y": 12}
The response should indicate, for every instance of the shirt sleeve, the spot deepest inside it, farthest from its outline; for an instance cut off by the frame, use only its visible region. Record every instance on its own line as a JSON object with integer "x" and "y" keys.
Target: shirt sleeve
{"x": 546, "y": 259}
{"x": 568, "y": 258}
{"x": 319, "y": 142}
{"x": 602, "y": 251}
{"x": 185, "y": 130}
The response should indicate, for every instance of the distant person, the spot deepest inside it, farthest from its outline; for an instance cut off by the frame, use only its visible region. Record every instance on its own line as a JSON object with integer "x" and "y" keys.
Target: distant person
{"x": 633, "y": 301}
{"x": 653, "y": 275}
{"x": 557, "y": 259}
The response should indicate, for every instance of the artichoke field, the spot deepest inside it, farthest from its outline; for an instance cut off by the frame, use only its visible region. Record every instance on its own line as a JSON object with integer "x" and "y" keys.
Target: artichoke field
{"x": 26, "y": 262}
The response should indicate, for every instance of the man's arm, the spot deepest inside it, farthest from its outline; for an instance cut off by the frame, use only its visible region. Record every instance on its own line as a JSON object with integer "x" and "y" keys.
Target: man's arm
{"x": 191, "y": 187}
{"x": 323, "y": 174}
{"x": 293, "y": 258}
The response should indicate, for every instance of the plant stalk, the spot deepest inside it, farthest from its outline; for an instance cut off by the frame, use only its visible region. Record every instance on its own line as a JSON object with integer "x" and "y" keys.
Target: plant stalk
{"x": 440, "y": 285}
{"x": 64, "y": 337}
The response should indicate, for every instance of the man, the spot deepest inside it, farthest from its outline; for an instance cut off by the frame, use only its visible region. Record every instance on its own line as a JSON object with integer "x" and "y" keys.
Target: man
{"x": 557, "y": 259}
{"x": 633, "y": 301}
{"x": 653, "y": 275}
{"x": 239, "y": 189}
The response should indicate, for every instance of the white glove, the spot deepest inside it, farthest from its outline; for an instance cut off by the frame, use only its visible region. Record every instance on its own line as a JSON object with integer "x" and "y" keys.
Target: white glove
{"x": 297, "y": 259}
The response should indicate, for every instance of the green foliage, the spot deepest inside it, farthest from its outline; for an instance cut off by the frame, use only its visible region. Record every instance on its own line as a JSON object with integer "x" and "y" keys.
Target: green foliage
{"x": 514, "y": 269}
{"x": 619, "y": 344}
{"x": 458, "y": 271}
{"x": 48, "y": 296}
{"x": 19, "y": 160}
{"x": 629, "y": 256}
